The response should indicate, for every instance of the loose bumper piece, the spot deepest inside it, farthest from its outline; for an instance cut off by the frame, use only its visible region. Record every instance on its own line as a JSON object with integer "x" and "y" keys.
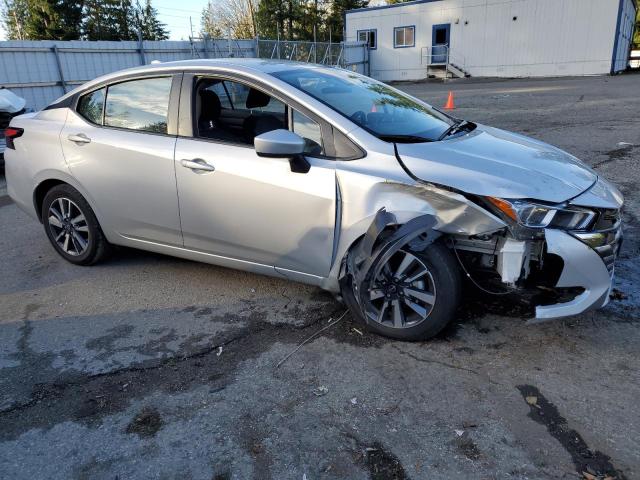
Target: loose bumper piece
{"x": 584, "y": 268}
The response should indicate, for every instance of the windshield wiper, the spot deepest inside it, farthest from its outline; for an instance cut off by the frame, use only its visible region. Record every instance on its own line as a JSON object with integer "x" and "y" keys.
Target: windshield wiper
{"x": 399, "y": 138}
{"x": 458, "y": 126}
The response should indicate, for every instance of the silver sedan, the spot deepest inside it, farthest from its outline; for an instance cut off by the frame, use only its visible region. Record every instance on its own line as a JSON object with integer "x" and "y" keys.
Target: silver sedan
{"x": 321, "y": 176}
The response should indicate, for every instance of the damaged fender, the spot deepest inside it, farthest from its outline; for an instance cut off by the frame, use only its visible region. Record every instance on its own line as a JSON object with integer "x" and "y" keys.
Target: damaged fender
{"x": 364, "y": 263}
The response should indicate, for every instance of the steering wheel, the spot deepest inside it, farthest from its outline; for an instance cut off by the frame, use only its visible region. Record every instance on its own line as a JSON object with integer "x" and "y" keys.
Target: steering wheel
{"x": 359, "y": 117}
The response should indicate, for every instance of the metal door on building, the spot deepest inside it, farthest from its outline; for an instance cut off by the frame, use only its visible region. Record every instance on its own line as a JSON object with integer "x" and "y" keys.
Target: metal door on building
{"x": 440, "y": 43}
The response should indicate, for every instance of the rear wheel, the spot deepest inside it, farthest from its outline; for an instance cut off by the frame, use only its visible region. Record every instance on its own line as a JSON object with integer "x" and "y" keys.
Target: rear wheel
{"x": 414, "y": 296}
{"x": 72, "y": 227}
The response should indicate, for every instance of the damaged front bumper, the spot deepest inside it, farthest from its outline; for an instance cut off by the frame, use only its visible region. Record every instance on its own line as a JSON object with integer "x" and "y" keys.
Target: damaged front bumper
{"x": 583, "y": 267}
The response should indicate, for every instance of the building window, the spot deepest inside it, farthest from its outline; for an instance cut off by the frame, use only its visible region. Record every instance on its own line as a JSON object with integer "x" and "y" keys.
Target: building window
{"x": 404, "y": 37}
{"x": 370, "y": 36}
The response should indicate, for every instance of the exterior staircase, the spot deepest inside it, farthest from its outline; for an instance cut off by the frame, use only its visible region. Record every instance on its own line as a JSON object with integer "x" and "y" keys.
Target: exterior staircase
{"x": 444, "y": 65}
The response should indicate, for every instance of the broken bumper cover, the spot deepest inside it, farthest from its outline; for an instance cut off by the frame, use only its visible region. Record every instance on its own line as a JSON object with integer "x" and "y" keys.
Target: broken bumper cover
{"x": 584, "y": 268}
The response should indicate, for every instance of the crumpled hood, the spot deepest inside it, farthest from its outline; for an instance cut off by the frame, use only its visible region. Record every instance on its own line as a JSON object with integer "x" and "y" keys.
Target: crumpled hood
{"x": 490, "y": 161}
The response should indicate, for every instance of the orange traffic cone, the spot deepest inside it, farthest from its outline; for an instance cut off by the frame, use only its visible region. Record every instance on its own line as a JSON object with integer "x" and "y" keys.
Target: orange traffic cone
{"x": 449, "y": 105}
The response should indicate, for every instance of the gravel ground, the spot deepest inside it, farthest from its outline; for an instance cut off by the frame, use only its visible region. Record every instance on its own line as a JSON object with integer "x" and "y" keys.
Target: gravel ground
{"x": 152, "y": 367}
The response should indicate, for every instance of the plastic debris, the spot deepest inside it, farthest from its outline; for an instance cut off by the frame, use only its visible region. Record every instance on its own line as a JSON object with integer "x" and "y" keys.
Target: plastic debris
{"x": 320, "y": 391}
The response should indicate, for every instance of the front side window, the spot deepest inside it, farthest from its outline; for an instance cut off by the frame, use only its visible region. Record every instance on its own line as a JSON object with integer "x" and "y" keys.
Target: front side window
{"x": 383, "y": 111}
{"x": 404, "y": 37}
{"x": 234, "y": 112}
{"x": 368, "y": 36}
{"x": 91, "y": 105}
{"x": 139, "y": 105}
{"x": 310, "y": 131}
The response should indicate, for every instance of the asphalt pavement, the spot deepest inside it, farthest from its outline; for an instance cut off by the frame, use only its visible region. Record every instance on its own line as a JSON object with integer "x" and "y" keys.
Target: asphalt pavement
{"x": 148, "y": 366}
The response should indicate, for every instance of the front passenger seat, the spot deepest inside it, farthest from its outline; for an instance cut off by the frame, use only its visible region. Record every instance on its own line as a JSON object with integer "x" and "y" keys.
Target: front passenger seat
{"x": 209, "y": 123}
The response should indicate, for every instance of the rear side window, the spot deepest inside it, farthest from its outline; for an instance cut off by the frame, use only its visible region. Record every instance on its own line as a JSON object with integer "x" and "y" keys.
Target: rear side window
{"x": 139, "y": 105}
{"x": 90, "y": 106}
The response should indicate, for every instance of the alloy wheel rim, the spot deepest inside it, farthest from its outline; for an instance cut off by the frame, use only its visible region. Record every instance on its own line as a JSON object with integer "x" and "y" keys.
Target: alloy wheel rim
{"x": 69, "y": 226}
{"x": 403, "y": 294}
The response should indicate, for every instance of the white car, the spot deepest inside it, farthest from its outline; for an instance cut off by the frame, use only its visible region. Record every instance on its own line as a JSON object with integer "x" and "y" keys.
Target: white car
{"x": 318, "y": 175}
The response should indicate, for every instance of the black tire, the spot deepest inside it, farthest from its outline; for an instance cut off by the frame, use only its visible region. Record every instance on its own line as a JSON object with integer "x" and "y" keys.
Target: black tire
{"x": 446, "y": 277}
{"x": 96, "y": 248}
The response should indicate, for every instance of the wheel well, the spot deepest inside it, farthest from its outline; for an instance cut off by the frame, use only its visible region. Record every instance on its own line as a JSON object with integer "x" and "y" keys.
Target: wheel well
{"x": 40, "y": 192}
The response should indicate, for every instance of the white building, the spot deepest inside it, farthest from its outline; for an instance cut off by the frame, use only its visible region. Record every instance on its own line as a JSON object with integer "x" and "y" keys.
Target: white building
{"x": 495, "y": 38}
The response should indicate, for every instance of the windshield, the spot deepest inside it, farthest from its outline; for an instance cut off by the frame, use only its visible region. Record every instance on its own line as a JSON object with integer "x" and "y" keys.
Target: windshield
{"x": 383, "y": 111}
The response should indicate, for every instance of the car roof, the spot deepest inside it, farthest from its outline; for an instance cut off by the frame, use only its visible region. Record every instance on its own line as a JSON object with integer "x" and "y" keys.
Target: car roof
{"x": 258, "y": 66}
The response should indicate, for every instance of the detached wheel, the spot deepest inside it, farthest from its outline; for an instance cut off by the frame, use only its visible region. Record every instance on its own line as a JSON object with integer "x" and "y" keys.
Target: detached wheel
{"x": 414, "y": 297}
{"x": 72, "y": 227}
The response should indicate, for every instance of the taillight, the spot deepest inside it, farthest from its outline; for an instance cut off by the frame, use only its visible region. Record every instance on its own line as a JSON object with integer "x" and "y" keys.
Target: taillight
{"x": 10, "y": 134}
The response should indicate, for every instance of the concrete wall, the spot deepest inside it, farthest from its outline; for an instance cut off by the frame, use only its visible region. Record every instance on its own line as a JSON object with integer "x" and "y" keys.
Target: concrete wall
{"x": 548, "y": 37}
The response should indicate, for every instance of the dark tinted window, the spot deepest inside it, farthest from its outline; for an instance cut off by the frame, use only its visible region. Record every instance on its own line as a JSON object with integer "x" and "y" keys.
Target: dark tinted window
{"x": 90, "y": 106}
{"x": 139, "y": 105}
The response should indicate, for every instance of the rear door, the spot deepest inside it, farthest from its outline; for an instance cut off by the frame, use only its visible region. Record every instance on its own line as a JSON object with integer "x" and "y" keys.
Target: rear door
{"x": 119, "y": 144}
{"x": 240, "y": 206}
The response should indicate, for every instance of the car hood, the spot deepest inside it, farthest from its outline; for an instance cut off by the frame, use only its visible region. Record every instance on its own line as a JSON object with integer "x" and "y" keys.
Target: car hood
{"x": 490, "y": 161}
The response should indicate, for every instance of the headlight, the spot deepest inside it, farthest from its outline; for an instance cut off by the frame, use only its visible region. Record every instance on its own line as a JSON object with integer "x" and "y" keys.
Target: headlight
{"x": 536, "y": 215}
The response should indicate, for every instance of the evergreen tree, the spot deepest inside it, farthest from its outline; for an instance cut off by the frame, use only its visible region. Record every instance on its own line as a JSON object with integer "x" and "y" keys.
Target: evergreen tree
{"x": 42, "y": 19}
{"x": 107, "y": 20}
{"x": 146, "y": 21}
{"x": 336, "y": 15}
{"x": 122, "y": 20}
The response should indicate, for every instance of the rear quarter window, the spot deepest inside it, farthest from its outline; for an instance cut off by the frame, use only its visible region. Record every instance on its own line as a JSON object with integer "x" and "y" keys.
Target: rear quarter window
{"x": 91, "y": 105}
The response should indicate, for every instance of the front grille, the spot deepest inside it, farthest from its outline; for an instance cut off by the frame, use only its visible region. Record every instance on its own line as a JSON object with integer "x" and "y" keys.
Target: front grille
{"x": 605, "y": 236}
{"x": 606, "y": 219}
{"x": 609, "y": 251}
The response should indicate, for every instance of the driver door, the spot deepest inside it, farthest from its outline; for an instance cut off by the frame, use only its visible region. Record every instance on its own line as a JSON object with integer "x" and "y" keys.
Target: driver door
{"x": 252, "y": 210}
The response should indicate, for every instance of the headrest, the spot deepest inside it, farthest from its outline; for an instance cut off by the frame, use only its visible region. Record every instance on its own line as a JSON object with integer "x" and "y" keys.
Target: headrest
{"x": 209, "y": 105}
{"x": 257, "y": 99}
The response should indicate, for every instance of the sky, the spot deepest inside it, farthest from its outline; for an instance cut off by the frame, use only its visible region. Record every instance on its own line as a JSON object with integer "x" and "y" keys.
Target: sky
{"x": 174, "y": 14}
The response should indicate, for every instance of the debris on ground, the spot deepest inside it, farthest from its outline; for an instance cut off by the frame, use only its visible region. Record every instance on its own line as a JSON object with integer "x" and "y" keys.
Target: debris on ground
{"x": 219, "y": 351}
{"x": 146, "y": 423}
{"x": 320, "y": 391}
{"x": 617, "y": 295}
{"x": 308, "y": 339}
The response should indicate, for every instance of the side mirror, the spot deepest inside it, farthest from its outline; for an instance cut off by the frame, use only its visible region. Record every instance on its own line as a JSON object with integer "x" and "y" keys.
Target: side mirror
{"x": 283, "y": 144}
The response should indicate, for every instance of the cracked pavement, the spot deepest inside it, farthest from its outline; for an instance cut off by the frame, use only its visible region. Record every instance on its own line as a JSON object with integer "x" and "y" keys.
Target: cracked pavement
{"x": 153, "y": 367}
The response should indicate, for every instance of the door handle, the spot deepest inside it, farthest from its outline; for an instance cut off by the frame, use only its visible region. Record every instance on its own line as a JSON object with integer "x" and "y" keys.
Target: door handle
{"x": 197, "y": 164}
{"x": 79, "y": 138}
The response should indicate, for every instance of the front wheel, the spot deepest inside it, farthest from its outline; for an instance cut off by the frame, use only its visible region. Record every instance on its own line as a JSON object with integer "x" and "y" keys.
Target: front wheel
{"x": 414, "y": 296}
